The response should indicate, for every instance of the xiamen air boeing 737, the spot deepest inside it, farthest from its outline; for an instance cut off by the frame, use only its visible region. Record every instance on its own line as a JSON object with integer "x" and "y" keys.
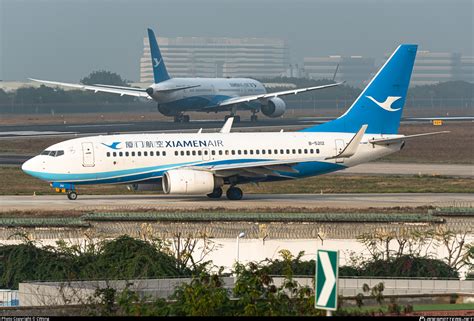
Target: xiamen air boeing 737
{"x": 175, "y": 96}
{"x": 202, "y": 163}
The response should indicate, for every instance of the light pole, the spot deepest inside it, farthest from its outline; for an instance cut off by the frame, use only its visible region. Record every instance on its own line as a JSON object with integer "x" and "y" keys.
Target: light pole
{"x": 242, "y": 234}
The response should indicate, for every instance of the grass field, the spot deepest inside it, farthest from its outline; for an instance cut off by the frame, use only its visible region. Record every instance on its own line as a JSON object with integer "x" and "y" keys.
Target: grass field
{"x": 416, "y": 308}
{"x": 26, "y": 185}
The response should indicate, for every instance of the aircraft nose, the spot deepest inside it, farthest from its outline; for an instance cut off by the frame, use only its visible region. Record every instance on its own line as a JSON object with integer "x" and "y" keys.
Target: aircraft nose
{"x": 29, "y": 165}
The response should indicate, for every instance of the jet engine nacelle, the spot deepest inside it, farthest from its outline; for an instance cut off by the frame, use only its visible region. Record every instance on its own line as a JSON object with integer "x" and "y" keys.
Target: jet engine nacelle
{"x": 275, "y": 107}
{"x": 145, "y": 187}
{"x": 189, "y": 181}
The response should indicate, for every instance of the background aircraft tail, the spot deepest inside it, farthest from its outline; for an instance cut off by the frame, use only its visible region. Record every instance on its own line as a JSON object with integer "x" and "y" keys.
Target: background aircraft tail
{"x": 380, "y": 105}
{"x": 159, "y": 69}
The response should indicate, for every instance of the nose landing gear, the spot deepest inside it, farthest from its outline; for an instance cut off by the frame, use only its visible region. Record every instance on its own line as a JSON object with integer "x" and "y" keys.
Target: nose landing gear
{"x": 181, "y": 118}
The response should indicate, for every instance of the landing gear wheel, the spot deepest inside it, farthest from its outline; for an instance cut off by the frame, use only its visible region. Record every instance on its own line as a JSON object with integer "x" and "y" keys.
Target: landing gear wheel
{"x": 72, "y": 195}
{"x": 216, "y": 193}
{"x": 236, "y": 119}
{"x": 234, "y": 193}
{"x": 186, "y": 118}
{"x": 253, "y": 118}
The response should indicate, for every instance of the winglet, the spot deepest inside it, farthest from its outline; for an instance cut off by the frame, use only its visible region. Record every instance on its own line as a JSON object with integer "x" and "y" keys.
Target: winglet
{"x": 227, "y": 126}
{"x": 351, "y": 148}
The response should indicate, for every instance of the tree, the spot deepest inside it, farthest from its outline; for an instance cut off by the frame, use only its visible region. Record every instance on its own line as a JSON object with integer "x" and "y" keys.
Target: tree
{"x": 103, "y": 77}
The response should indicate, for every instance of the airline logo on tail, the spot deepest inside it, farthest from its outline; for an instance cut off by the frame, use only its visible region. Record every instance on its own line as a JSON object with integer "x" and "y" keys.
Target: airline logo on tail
{"x": 387, "y": 104}
{"x": 157, "y": 62}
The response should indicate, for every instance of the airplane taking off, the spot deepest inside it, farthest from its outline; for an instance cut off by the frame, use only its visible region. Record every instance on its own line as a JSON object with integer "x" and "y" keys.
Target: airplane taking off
{"x": 202, "y": 163}
{"x": 175, "y": 96}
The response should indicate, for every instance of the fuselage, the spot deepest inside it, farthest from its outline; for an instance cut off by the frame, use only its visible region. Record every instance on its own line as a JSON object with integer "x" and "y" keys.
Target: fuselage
{"x": 204, "y": 92}
{"x": 144, "y": 158}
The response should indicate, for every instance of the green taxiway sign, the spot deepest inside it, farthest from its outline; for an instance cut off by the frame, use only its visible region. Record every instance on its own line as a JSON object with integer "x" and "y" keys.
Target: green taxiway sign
{"x": 327, "y": 269}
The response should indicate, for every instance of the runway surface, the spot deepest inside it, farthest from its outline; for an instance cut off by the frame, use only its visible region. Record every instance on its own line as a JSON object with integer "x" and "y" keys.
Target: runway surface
{"x": 250, "y": 201}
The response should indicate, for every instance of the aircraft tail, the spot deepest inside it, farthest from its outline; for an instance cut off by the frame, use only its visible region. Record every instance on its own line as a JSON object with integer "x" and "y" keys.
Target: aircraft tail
{"x": 380, "y": 105}
{"x": 159, "y": 69}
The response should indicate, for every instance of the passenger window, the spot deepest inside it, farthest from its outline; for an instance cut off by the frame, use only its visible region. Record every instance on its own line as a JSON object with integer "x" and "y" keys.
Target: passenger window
{"x": 275, "y": 151}
{"x": 199, "y": 152}
{"x": 164, "y": 153}
{"x": 251, "y": 152}
{"x": 287, "y": 151}
{"x": 213, "y": 152}
{"x": 133, "y": 153}
{"x": 263, "y": 151}
{"x": 206, "y": 152}
{"x": 188, "y": 153}
{"x": 126, "y": 154}
{"x": 108, "y": 154}
{"x": 157, "y": 153}
{"x": 227, "y": 152}
{"x": 145, "y": 153}
{"x": 299, "y": 151}
{"x": 294, "y": 151}
{"x": 311, "y": 151}
{"x": 305, "y": 151}
{"x": 317, "y": 151}
{"x": 239, "y": 152}
{"x": 176, "y": 153}
{"x": 139, "y": 153}
{"x": 269, "y": 151}
{"x": 282, "y": 151}
{"x": 120, "y": 154}
{"x": 115, "y": 154}
{"x": 182, "y": 153}
{"x": 220, "y": 152}
{"x": 245, "y": 152}
{"x": 257, "y": 152}
{"x": 151, "y": 153}
{"x": 194, "y": 153}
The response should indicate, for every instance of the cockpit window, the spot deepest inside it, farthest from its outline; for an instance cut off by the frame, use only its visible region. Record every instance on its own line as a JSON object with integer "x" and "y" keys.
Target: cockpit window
{"x": 53, "y": 153}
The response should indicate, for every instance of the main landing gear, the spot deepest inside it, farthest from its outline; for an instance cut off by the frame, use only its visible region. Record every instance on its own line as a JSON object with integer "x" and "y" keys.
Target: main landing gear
{"x": 254, "y": 117}
{"x": 181, "y": 118}
{"x": 233, "y": 193}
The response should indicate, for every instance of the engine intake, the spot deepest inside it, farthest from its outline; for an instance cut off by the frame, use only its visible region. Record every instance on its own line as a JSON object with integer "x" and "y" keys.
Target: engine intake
{"x": 275, "y": 107}
{"x": 189, "y": 182}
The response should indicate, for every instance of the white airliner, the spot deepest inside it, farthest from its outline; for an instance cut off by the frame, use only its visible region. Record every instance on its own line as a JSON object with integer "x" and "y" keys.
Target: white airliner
{"x": 202, "y": 163}
{"x": 175, "y": 96}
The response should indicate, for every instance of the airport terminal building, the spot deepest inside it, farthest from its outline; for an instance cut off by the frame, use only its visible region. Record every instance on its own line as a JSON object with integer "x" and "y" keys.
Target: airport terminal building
{"x": 218, "y": 57}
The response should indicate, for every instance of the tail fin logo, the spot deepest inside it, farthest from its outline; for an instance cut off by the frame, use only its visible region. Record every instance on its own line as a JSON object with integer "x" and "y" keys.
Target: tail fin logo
{"x": 387, "y": 104}
{"x": 156, "y": 62}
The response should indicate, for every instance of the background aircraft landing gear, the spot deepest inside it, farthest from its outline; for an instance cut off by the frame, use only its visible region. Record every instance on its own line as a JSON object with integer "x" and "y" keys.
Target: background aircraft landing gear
{"x": 181, "y": 118}
{"x": 253, "y": 118}
{"x": 72, "y": 195}
{"x": 234, "y": 193}
{"x": 217, "y": 193}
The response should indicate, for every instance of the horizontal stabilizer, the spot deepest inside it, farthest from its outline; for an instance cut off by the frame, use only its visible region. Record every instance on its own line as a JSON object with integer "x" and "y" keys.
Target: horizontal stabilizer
{"x": 388, "y": 141}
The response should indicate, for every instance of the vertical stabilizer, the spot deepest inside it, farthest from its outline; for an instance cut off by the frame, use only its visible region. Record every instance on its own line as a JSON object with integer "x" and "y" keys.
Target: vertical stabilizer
{"x": 159, "y": 69}
{"x": 380, "y": 105}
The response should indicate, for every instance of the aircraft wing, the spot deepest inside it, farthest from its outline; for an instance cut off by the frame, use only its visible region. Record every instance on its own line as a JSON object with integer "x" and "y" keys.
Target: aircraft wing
{"x": 255, "y": 168}
{"x": 128, "y": 91}
{"x": 246, "y": 99}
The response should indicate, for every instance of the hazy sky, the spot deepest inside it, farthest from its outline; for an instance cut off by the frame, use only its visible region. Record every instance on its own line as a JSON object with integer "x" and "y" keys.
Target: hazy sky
{"x": 67, "y": 39}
